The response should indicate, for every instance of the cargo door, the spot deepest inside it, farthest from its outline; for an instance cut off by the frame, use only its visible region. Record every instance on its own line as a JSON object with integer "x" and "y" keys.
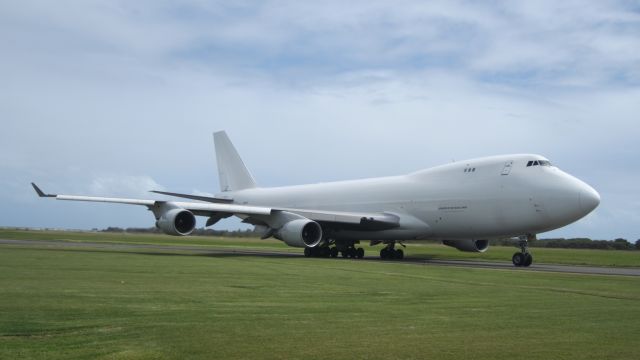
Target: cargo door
{"x": 506, "y": 170}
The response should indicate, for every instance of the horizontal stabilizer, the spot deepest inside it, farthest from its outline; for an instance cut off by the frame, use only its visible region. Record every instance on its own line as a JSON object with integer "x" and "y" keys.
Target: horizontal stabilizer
{"x": 196, "y": 197}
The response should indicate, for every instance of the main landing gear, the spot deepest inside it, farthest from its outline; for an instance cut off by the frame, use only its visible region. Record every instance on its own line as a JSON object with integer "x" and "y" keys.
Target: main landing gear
{"x": 332, "y": 251}
{"x": 352, "y": 252}
{"x": 390, "y": 253}
{"x": 523, "y": 258}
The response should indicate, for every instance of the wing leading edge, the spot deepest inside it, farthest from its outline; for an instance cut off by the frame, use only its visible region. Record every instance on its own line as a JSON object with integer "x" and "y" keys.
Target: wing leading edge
{"x": 362, "y": 221}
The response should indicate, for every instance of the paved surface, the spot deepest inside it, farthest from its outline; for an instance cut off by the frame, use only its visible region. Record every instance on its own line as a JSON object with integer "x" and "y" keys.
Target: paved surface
{"x": 146, "y": 248}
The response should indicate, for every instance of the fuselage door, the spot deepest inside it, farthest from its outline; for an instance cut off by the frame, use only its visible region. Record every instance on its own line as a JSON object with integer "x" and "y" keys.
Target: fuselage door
{"x": 507, "y": 168}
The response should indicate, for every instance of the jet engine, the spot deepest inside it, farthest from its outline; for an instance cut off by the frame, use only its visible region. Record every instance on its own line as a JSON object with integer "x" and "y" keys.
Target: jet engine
{"x": 468, "y": 245}
{"x": 178, "y": 222}
{"x": 300, "y": 233}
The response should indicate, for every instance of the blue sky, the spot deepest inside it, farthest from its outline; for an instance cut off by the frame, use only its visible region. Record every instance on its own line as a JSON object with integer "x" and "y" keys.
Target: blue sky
{"x": 120, "y": 97}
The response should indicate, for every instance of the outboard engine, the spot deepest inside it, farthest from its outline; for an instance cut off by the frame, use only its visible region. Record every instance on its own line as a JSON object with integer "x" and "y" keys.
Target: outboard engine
{"x": 178, "y": 222}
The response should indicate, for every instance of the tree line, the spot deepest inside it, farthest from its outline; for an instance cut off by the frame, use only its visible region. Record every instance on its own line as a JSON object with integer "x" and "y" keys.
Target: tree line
{"x": 579, "y": 243}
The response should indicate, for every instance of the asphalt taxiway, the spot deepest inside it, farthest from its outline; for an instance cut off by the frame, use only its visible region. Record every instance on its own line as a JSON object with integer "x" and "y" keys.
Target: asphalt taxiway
{"x": 62, "y": 244}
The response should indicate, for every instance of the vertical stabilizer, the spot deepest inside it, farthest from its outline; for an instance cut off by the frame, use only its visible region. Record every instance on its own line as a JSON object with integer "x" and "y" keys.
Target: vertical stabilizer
{"x": 233, "y": 174}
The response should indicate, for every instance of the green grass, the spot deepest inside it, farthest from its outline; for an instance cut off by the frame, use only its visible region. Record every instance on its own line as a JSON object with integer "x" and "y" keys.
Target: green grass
{"x": 132, "y": 238}
{"x": 592, "y": 257}
{"x": 62, "y": 304}
{"x": 415, "y": 250}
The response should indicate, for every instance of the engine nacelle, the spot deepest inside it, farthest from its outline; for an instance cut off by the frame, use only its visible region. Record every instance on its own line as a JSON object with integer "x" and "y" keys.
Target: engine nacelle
{"x": 178, "y": 222}
{"x": 300, "y": 233}
{"x": 468, "y": 245}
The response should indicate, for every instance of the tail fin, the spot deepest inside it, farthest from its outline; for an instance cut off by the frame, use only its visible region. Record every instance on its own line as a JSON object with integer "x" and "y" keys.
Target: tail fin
{"x": 233, "y": 174}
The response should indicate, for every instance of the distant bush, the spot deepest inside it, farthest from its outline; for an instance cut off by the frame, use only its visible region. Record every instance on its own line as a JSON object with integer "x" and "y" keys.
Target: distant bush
{"x": 577, "y": 243}
{"x": 113, "y": 229}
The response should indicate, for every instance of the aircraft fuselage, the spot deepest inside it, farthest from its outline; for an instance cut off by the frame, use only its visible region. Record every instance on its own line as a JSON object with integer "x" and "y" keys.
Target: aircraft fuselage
{"x": 482, "y": 198}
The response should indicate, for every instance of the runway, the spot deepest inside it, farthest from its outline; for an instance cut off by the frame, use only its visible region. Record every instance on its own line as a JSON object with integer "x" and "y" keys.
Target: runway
{"x": 200, "y": 250}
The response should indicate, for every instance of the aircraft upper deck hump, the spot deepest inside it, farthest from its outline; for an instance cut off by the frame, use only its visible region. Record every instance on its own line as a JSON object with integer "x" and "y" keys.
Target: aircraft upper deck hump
{"x": 232, "y": 172}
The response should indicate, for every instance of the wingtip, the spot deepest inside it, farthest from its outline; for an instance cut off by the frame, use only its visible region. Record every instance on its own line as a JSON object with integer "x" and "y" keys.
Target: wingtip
{"x": 40, "y": 192}
{"x": 37, "y": 189}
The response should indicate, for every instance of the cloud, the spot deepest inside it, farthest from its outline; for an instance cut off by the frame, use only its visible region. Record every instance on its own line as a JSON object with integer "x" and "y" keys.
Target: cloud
{"x": 124, "y": 185}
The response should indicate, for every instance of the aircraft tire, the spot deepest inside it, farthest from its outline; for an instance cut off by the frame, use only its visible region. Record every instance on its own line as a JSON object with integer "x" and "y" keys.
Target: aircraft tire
{"x": 399, "y": 254}
{"x": 307, "y": 252}
{"x": 528, "y": 260}
{"x": 359, "y": 253}
{"x": 518, "y": 259}
{"x": 325, "y": 252}
{"x": 333, "y": 252}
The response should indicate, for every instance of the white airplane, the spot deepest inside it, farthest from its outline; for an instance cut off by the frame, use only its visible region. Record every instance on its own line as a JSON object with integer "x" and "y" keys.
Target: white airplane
{"x": 463, "y": 204}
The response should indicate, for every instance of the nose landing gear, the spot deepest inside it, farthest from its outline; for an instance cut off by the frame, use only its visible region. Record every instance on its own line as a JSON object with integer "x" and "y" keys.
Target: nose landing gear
{"x": 523, "y": 258}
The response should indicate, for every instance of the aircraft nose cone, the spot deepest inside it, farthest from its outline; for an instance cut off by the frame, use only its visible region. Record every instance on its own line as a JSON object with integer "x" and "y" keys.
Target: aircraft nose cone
{"x": 589, "y": 199}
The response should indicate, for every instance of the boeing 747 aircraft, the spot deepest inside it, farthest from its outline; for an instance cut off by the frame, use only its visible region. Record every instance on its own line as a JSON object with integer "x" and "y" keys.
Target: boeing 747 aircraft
{"x": 463, "y": 204}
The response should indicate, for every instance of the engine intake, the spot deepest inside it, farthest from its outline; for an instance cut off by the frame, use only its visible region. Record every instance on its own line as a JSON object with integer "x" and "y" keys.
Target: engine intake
{"x": 300, "y": 233}
{"x": 468, "y": 245}
{"x": 178, "y": 222}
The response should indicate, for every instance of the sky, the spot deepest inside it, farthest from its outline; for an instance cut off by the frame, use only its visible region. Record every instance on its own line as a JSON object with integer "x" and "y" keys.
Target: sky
{"x": 116, "y": 98}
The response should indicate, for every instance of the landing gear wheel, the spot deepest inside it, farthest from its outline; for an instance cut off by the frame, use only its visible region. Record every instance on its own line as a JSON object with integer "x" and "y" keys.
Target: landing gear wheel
{"x": 352, "y": 253}
{"x": 325, "y": 252}
{"x": 359, "y": 253}
{"x": 333, "y": 252}
{"x": 528, "y": 259}
{"x": 518, "y": 259}
{"x": 523, "y": 258}
{"x": 391, "y": 254}
{"x": 307, "y": 252}
{"x": 345, "y": 253}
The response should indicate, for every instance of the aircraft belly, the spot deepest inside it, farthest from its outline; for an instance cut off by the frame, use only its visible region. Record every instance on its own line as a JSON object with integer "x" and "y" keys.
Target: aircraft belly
{"x": 380, "y": 235}
{"x": 410, "y": 228}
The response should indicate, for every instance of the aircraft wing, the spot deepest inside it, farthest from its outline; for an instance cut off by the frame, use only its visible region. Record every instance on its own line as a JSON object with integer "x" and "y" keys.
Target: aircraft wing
{"x": 198, "y": 208}
{"x": 357, "y": 220}
{"x": 363, "y": 221}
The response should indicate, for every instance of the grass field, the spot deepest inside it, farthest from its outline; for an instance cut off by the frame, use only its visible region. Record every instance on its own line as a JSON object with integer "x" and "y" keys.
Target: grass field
{"x": 74, "y": 303}
{"x": 416, "y": 250}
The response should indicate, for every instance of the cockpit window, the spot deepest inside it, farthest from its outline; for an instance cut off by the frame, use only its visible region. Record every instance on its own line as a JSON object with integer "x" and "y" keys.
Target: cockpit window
{"x": 539, "y": 163}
